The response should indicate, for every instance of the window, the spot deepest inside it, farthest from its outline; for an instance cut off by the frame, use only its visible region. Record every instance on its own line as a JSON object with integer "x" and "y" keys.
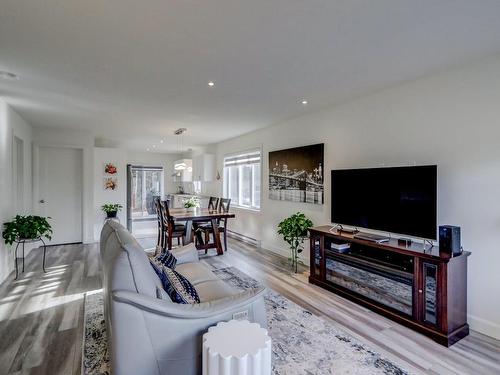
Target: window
{"x": 242, "y": 179}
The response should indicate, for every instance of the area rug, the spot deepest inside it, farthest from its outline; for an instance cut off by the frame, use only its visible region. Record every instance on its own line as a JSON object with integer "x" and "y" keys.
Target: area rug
{"x": 302, "y": 343}
{"x": 95, "y": 356}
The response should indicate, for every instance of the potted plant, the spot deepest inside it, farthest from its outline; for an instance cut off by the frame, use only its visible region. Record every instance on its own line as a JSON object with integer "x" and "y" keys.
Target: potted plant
{"x": 294, "y": 232}
{"x": 192, "y": 203}
{"x": 111, "y": 209}
{"x": 26, "y": 228}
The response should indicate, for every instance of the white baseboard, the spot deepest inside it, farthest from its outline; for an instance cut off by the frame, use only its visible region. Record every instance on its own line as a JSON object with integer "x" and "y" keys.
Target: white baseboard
{"x": 483, "y": 326}
{"x": 243, "y": 238}
{"x": 304, "y": 256}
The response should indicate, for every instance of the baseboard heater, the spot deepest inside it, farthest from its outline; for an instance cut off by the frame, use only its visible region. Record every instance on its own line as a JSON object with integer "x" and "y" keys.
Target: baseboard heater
{"x": 243, "y": 238}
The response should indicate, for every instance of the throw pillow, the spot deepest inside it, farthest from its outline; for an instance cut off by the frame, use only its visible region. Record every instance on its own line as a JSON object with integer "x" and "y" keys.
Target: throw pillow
{"x": 158, "y": 268}
{"x": 166, "y": 258}
{"x": 179, "y": 288}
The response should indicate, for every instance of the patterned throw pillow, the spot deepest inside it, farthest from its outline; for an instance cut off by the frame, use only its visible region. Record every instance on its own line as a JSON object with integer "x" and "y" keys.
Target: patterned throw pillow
{"x": 166, "y": 258}
{"x": 158, "y": 268}
{"x": 179, "y": 288}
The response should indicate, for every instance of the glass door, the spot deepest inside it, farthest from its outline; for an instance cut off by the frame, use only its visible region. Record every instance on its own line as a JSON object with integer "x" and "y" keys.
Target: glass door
{"x": 429, "y": 293}
{"x": 144, "y": 184}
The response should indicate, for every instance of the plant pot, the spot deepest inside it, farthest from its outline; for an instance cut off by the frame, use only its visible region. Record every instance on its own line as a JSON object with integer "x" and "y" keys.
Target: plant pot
{"x": 111, "y": 214}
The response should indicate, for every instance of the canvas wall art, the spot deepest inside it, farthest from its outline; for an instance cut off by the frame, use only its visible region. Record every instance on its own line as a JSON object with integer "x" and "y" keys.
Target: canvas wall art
{"x": 110, "y": 183}
{"x": 296, "y": 174}
{"x": 110, "y": 168}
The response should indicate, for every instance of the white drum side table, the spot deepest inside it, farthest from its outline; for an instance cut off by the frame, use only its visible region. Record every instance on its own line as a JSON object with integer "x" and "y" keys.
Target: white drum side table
{"x": 236, "y": 348}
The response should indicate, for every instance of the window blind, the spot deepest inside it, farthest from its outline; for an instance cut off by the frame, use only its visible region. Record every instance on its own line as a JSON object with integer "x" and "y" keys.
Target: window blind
{"x": 248, "y": 157}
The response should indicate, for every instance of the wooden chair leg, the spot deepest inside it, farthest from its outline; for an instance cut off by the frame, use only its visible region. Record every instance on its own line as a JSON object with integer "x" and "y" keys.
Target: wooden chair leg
{"x": 225, "y": 239}
{"x": 169, "y": 240}
{"x": 207, "y": 239}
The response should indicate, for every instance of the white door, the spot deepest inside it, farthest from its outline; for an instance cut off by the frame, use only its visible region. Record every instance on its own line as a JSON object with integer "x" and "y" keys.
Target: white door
{"x": 60, "y": 192}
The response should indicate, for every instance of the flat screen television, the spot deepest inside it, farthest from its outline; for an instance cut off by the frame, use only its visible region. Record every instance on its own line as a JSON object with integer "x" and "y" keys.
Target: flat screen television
{"x": 400, "y": 200}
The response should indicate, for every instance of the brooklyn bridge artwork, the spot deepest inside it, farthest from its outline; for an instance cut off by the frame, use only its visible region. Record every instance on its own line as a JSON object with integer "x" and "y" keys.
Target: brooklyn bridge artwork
{"x": 296, "y": 174}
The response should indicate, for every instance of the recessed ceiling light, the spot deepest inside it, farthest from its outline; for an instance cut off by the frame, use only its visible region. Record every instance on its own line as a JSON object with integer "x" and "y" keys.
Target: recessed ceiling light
{"x": 154, "y": 146}
{"x": 211, "y": 83}
{"x": 147, "y": 149}
{"x": 8, "y": 75}
{"x": 304, "y": 102}
{"x": 161, "y": 140}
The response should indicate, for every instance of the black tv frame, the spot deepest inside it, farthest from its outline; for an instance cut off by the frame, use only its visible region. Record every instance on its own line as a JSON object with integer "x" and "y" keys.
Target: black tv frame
{"x": 423, "y": 234}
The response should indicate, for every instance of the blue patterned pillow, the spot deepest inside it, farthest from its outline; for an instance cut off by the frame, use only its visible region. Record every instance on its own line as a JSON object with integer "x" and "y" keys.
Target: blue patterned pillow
{"x": 158, "y": 268}
{"x": 179, "y": 288}
{"x": 166, "y": 258}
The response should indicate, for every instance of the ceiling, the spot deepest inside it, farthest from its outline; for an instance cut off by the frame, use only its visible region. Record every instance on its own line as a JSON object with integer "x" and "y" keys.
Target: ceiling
{"x": 134, "y": 71}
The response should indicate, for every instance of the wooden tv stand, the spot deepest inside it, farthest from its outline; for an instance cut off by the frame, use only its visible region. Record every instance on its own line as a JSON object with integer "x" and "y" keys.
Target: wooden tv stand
{"x": 418, "y": 287}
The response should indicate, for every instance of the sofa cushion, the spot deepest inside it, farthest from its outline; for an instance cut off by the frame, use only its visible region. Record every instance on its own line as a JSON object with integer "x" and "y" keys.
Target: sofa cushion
{"x": 196, "y": 273}
{"x": 186, "y": 254}
{"x": 178, "y": 287}
{"x": 214, "y": 289}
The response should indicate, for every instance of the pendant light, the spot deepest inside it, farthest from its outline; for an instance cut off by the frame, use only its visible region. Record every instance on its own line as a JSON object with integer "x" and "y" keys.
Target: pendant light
{"x": 180, "y": 165}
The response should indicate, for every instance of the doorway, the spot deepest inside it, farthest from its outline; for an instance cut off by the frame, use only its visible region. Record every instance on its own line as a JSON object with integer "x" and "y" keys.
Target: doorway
{"x": 144, "y": 184}
{"x": 60, "y": 192}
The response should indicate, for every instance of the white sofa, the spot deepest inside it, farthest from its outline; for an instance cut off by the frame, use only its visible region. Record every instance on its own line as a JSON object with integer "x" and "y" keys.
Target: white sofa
{"x": 150, "y": 334}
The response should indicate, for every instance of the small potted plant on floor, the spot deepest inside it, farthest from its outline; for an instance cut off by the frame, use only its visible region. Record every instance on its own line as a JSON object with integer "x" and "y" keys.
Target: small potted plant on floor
{"x": 26, "y": 228}
{"x": 294, "y": 232}
{"x": 192, "y": 203}
{"x": 111, "y": 209}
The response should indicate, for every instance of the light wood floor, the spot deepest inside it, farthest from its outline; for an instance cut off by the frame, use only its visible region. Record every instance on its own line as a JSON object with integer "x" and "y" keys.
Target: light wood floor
{"x": 41, "y": 315}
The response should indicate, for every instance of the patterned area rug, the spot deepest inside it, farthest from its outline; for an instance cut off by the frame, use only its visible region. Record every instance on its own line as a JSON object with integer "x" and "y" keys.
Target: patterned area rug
{"x": 303, "y": 344}
{"x": 95, "y": 358}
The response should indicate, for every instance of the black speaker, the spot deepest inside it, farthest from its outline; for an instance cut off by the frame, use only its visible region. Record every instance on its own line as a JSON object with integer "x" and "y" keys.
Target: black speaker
{"x": 449, "y": 240}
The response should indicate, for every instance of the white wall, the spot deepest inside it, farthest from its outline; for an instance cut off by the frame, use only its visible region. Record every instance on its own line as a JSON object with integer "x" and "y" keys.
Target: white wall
{"x": 118, "y": 157}
{"x": 94, "y": 195}
{"x": 451, "y": 119}
{"x": 12, "y": 125}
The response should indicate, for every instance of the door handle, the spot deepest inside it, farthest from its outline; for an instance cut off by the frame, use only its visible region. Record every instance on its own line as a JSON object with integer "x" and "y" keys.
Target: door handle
{"x": 42, "y": 200}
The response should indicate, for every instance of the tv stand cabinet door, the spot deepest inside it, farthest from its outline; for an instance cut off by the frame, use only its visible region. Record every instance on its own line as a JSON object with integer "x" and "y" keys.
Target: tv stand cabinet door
{"x": 317, "y": 257}
{"x": 429, "y": 287}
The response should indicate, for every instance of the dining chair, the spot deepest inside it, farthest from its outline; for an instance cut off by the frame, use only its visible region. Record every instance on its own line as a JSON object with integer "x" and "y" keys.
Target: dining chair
{"x": 171, "y": 229}
{"x": 159, "y": 219}
{"x": 224, "y": 204}
{"x": 213, "y": 205}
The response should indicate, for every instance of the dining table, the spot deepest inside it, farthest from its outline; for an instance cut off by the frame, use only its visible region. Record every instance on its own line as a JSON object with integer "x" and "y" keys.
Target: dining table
{"x": 201, "y": 215}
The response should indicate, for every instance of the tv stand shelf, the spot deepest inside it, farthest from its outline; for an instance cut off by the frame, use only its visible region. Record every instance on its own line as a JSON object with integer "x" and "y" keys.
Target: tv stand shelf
{"x": 417, "y": 286}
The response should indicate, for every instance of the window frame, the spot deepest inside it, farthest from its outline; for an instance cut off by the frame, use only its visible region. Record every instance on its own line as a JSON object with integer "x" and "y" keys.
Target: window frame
{"x": 227, "y": 189}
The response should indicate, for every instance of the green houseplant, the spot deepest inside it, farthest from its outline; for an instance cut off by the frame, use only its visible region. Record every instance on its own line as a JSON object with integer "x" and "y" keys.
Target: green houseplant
{"x": 192, "y": 203}
{"x": 294, "y": 232}
{"x": 26, "y": 227}
{"x": 111, "y": 209}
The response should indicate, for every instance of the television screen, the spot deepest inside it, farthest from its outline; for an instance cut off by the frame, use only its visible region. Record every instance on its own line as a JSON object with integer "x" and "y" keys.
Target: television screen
{"x": 400, "y": 200}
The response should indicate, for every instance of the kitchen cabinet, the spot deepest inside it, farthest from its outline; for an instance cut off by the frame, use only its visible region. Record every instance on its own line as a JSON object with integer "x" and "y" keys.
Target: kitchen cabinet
{"x": 204, "y": 167}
